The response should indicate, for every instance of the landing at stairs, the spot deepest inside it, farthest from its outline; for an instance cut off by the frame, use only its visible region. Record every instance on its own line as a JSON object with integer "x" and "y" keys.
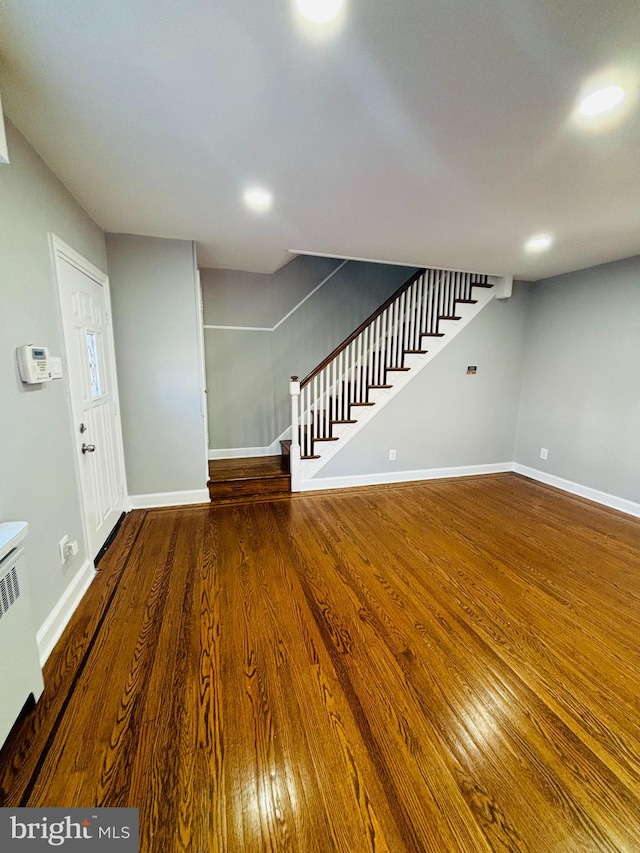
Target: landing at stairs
{"x": 232, "y": 480}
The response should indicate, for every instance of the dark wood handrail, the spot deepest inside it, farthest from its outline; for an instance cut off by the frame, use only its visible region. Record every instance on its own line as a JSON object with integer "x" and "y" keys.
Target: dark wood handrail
{"x": 362, "y": 327}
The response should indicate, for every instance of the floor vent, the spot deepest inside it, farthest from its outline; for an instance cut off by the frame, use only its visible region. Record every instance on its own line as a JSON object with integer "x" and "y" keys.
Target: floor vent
{"x": 9, "y": 591}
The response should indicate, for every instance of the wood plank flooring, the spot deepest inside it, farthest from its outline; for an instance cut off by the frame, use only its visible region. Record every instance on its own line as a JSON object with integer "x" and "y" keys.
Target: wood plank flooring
{"x": 439, "y": 667}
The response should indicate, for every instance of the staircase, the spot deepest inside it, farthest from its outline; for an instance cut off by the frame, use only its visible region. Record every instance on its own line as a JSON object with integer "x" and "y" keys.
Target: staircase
{"x": 338, "y": 397}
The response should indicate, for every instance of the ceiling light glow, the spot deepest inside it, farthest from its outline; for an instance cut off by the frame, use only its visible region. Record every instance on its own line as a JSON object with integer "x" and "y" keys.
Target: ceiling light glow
{"x": 602, "y": 100}
{"x": 320, "y": 11}
{"x": 538, "y": 243}
{"x": 258, "y": 199}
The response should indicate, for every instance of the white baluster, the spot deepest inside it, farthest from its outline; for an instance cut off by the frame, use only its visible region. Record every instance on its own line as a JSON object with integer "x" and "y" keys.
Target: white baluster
{"x": 423, "y": 308}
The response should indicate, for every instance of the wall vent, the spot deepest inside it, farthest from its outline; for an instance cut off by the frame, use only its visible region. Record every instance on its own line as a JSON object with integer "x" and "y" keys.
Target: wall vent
{"x": 9, "y": 591}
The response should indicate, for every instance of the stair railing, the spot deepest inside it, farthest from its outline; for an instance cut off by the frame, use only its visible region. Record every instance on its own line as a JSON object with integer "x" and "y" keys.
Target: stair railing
{"x": 377, "y": 348}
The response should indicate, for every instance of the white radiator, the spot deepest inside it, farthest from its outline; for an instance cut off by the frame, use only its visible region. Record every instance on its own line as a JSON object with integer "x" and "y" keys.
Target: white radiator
{"x": 20, "y": 671}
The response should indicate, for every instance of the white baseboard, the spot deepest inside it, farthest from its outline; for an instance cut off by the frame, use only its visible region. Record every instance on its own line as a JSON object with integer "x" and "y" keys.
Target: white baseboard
{"x": 241, "y": 452}
{"x": 51, "y": 629}
{"x": 318, "y": 483}
{"x": 272, "y": 449}
{"x": 194, "y": 496}
{"x": 604, "y": 498}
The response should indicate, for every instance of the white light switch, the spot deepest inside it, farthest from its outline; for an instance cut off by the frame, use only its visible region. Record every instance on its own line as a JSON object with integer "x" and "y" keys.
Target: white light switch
{"x": 55, "y": 365}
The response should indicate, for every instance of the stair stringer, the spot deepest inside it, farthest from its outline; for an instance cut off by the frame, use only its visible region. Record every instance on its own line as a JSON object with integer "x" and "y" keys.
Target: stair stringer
{"x": 345, "y": 432}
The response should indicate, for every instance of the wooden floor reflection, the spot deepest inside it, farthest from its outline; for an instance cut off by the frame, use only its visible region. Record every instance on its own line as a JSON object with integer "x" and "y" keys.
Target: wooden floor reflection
{"x": 449, "y": 666}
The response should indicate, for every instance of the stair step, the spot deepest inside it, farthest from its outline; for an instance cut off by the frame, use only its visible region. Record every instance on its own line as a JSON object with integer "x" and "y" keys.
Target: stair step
{"x": 285, "y": 456}
{"x": 261, "y": 475}
{"x": 477, "y": 284}
{"x": 449, "y": 317}
{"x": 314, "y": 456}
{"x": 373, "y": 387}
{"x": 416, "y": 351}
{"x": 362, "y": 404}
{"x": 468, "y": 301}
{"x": 404, "y": 369}
{"x": 327, "y": 438}
{"x": 433, "y": 334}
{"x": 348, "y": 421}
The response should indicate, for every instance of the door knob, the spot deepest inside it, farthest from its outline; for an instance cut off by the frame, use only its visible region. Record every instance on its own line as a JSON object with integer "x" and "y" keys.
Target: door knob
{"x": 88, "y": 448}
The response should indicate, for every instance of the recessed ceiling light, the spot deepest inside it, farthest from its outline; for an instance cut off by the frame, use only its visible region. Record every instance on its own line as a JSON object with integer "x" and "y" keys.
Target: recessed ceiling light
{"x": 258, "y": 199}
{"x": 320, "y": 11}
{"x": 538, "y": 243}
{"x": 602, "y": 100}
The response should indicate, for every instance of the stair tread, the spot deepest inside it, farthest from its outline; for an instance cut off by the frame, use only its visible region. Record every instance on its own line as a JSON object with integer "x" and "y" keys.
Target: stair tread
{"x": 449, "y": 317}
{"x": 326, "y": 438}
{"x": 351, "y": 421}
{"x": 416, "y": 351}
{"x": 433, "y": 334}
{"x": 468, "y": 301}
{"x": 398, "y": 368}
{"x": 246, "y": 468}
{"x": 379, "y": 386}
{"x": 247, "y": 477}
{"x": 362, "y": 404}
{"x": 314, "y": 456}
{"x": 478, "y": 284}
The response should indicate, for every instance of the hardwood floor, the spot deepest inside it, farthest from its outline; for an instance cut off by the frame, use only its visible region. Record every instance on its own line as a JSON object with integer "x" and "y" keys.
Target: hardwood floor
{"x": 448, "y": 666}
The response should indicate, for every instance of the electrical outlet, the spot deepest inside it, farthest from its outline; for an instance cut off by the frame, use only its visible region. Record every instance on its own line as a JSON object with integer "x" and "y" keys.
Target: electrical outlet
{"x": 71, "y": 549}
{"x": 62, "y": 544}
{"x": 544, "y": 453}
{"x": 392, "y": 456}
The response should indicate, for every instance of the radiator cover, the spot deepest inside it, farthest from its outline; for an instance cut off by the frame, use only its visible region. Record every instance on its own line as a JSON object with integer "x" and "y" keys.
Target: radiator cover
{"x": 20, "y": 671}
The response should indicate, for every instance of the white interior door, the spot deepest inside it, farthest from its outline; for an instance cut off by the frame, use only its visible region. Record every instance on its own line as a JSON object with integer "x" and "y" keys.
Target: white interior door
{"x": 90, "y": 365}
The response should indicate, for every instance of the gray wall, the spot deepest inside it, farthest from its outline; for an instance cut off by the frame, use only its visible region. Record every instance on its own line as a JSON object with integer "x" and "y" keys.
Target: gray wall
{"x": 581, "y": 387}
{"x": 37, "y": 468}
{"x": 444, "y": 417}
{"x": 156, "y": 328}
{"x": 248, "y": 371}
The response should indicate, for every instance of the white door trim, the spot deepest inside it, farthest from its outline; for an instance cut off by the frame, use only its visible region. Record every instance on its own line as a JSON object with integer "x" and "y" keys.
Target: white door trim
{"x": 61, "y": 251}
{"x": 204, "y": 406}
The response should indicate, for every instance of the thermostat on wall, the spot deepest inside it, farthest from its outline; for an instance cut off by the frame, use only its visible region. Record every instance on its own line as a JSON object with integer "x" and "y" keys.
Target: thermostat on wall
{"x": 33, "y": 363}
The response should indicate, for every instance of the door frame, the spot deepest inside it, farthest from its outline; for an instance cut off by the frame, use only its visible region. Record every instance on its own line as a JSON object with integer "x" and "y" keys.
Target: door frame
{"x": 204, "y": 404}
{"x": 61, "y": 251}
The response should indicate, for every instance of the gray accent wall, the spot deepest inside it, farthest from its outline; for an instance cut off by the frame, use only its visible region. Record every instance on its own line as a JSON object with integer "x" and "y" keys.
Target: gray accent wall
{"x": 37, "y": 467}
{"x": 156, "y": 321}
{"x": 581, "y": 386}
{"x": 248, "y": 371}
{"x": 445, "y": 417}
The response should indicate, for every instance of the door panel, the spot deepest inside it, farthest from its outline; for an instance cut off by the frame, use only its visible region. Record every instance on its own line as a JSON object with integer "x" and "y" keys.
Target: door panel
{"x": 89, "y": 366}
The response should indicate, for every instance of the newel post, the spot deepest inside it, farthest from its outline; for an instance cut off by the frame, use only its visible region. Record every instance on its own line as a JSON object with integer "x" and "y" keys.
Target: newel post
{"x": 295, "y": 463}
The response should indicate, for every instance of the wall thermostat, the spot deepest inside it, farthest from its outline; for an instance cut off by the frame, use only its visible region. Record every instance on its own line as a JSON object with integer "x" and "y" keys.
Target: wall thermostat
{"x": 34, "y": 365}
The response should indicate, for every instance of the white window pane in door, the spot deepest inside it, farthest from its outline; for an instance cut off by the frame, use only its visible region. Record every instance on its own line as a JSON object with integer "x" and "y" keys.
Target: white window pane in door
{"x": 94, "y": 365}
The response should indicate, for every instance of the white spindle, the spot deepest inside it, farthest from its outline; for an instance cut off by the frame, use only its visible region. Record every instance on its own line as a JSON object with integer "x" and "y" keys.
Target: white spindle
{"x": 378, "y": 380}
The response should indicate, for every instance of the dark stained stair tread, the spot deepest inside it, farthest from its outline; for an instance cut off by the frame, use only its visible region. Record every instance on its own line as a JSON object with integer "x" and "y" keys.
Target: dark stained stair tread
{"x": 260, "y": 475}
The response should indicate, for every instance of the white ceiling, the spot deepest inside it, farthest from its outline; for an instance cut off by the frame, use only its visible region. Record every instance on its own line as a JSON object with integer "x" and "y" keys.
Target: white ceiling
{"x": 435, "y": 132}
